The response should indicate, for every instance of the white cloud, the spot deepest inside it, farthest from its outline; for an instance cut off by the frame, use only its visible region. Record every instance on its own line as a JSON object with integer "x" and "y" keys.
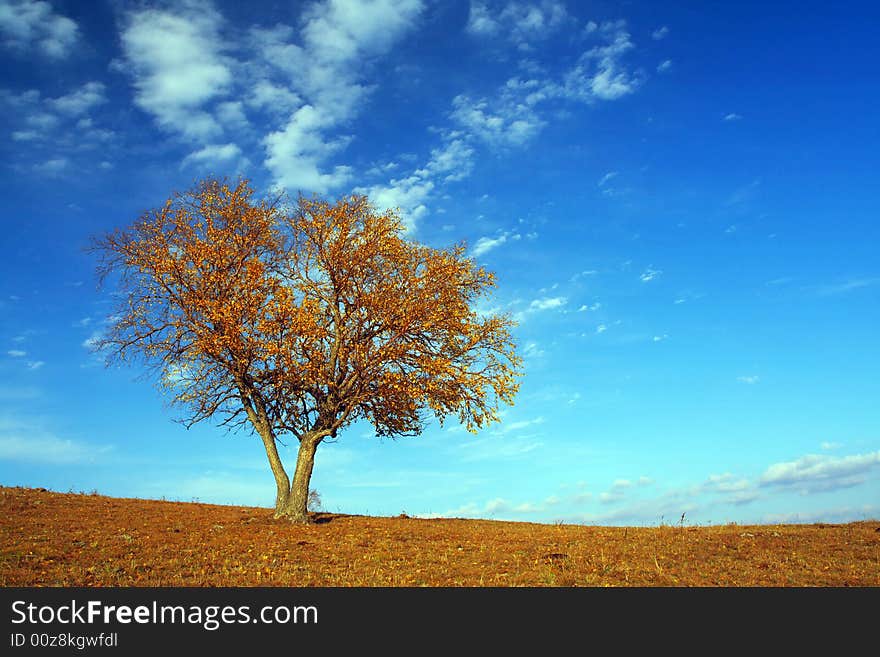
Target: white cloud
{"x": 405, "y": 194}
{"x": 480, "y": 21}
{"x": 52, "y": 167}
{"x": 830, "y": 445}
{"x": 498, "y": 507}
{"x": 659, "y": 338}
{"x": 601, "y": 328}
{"x": 502, "y": 121}
{"x": 51, "y": 120}
{"x": 546, "y": 303}
{"x": 821, "y": 472}
{"x": 726, "y": 483}
{"x": 532, "y": 350}
{"x": 451, "y": 162}
{"x": 176, "y": 59}
{"x": 92, "y": 341}
{"x": 750, "y": 379}
{"x": 665, "y": 66}
{"x": 583, "y": 274}
{"x": 231, "y": 115}
{"x": 512, "y": 117}
{"x": 35, "y": 364}
{"x": 660, "y": 33}
{"x": 486, "y": 244}
{"x": 600, "y": 73}
{"x": 519, "y": 22}
{"x": 213, "y": 155}
{"x": 607, "y": 178}
{"x": 26, "y": 24}
{"x": 338, "y": 39}
{"x": 82, "y": 100}
{"x": 273, "y": 98}
{"x": 649, "y": 274}
{"x": 16, "y": 353}
{"x": 733, "y": 116}
{"x": 295, "y": 153}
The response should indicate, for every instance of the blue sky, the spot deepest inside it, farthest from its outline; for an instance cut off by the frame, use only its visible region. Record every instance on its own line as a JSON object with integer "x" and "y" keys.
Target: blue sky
{"x": 680, "y": 201}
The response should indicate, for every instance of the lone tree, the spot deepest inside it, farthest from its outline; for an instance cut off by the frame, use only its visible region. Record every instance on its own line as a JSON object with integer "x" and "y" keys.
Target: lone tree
{"x": 297, "y": 321}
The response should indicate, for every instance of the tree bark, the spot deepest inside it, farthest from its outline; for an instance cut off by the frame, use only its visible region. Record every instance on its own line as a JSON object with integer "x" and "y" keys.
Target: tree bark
{"x": 282, "y": 481}
{"x": 296, "y": 508}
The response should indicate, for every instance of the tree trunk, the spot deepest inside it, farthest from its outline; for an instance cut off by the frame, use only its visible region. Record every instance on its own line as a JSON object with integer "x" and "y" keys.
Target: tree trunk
{"x": 282, "y": 482}
{"x": 296, "y": 508}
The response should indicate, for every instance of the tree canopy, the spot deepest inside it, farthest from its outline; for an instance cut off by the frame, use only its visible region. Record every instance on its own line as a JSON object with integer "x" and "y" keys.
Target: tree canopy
{"x": 299, "y": 319}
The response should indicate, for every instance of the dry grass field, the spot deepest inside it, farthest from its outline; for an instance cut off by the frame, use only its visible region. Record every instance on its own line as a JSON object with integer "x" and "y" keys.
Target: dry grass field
{"x": 66, "y": 539}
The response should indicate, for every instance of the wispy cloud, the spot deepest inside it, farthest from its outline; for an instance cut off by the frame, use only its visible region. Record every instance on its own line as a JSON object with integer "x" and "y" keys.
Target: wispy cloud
{"x": 486, "y": 244}
{"x": 660, "y": 33}
{"x": 750, "y": 379}
{"x": 665, "y": 66}
{"x": 499, "y": 445}
{"x": 610, "y": 79}
{"x": 503, "y": 121}
{"x": 510, "y": 118}
{"x": 618, "y": 490}
{"x": 65, "y": 123}
{"x": 519, "y": 425}
{"x": 452, "y": 161}
{"x": 604, "y": 180}
{"x": 522, "y": 23}
{"x": 29, "y": 442}
{"x": 498, "y": 507}
{"x": 213, "y": 487}
{"x": 836, "y": 514}
{"x": 337, "y": 41}
{"x": 583, "y": 274}
{"x": 649, "y": 274}
{"x": 726, "y": 483}
{"x": 744, "y": 194}
{"x": 733, "y": 116}
{"x": 847, "y": 286}
{"x": 546, "y": 303}
{"x": 514, "y": 115}
{"x": 532, "y": 350}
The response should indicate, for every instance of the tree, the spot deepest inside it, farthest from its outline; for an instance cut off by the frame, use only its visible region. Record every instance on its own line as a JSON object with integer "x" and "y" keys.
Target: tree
{"x": 297, "y": 321}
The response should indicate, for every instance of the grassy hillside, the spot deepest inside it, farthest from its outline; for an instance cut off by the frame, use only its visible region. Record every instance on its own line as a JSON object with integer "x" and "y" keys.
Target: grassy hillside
{"x": 64, "y": 539}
